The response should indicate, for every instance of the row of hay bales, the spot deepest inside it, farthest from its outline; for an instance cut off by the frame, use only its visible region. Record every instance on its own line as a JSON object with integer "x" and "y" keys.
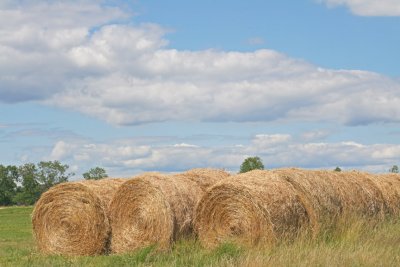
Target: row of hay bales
{"x": 119, "y": 215}
{"x": 263, "y": 207}
{"x": 254, "y": 208}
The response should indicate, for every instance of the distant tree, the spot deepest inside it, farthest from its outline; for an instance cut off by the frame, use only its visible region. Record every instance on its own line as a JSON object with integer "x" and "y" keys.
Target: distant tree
{"x": 51, "y": 173}
{"x": 30, "y": 191}
{"x": 394, "y": 169}
{"x": 251, "y": 163}
{"x": 337, "y": 169}
{"x": 95, "y": 174}
{"x": 8, "y": 184}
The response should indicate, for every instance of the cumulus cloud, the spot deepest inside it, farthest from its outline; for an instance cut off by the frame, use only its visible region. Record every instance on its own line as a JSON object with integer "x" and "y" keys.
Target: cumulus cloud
{"x": 80, "y": 59}
{"x": 60, "y": 150}
{"x": 128, "y": 157}
{"x": 35, "y": 39}
{"x": 368, "y": 7}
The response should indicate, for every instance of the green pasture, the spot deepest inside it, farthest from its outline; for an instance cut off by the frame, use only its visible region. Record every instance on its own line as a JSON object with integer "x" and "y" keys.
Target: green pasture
{"x": 358, "y": 244}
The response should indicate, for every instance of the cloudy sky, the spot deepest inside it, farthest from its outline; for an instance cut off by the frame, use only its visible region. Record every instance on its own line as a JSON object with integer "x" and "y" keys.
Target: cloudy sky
{"x": 136, "y": 86}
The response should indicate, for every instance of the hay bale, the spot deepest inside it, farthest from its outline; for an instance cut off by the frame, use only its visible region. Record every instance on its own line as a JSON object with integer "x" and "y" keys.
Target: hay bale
{"x": 360, "y": 197}
{"x": 252, "y": 208}
{"x": 389, "y": 184}
{"x": 318, "y": 195}
{"x": 156, "y": 209}
{"x": 330, "y": 197}
{"x": 265, "y": 206}
{"x": 151, "y": 209}
{"x": 71, "y": 218}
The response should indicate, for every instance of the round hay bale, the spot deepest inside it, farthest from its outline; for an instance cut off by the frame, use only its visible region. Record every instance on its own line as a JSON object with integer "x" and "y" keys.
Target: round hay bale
{"x": 389, "y": 184}
{"x": 71, "y": 218}
{"x": 156, "y": 209}
{"x": 151, "y": 209}
{"x": 330, "y": 197}
{"x": 252, "y": 208}
{"x": 319, "y": 196}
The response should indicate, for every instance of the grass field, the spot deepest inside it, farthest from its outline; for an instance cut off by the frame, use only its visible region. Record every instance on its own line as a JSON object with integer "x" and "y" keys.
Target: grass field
{"x": 358, "y": 244}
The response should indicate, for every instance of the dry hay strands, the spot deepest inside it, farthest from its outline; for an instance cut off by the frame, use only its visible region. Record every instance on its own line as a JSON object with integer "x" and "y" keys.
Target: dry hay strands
{"x": 253, "y": 208}
{"x": 205, "y": 177}
{"x": 104, "y": 188}
{"x": 152, "y": 209}
{"x": 320, "y": 198}
{"x": 389, "y": 184}
{"x": 335, "y": 197}
{"x": 71, "y": 218}
{"x": 358, "y": 194}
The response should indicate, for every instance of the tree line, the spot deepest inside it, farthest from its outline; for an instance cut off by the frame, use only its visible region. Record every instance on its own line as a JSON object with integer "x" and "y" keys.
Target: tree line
{"x": 23, "y": 185}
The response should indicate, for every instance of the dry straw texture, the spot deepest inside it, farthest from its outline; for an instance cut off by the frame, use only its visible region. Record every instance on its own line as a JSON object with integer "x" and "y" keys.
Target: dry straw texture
{"x": 260, "y": 207}
{"x": 330, "y": 197}
{"x": 389, "y": 184}
{"x": 205, "y": 177}
{"x": 104, "y": 188}
{"x": 319, "y": 196}
{"x": 358, "y": 194}
{"x": 156, "y": 209}
{"x": 256, "y": 207}
{"x": 71, "y": 218}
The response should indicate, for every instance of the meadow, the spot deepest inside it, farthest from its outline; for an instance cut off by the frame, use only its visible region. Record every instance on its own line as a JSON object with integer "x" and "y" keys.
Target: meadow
{"x": 359, "y": 243}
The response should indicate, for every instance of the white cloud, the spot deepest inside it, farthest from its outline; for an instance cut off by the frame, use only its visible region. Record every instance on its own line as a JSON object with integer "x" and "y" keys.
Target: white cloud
{"x": 35, "y": 38}
{"x": 368, "y": 7}
{"x": 388, "y": 152}
{"x": 128, "y": 157}
{"x": 125, "y": 74}
{"x": 185, "y": 145}
{"x": 231, "y": 86}
{"x": 315, "y": 135}
{"x": 60, "y": 150}
{"x": 266, "y": 141}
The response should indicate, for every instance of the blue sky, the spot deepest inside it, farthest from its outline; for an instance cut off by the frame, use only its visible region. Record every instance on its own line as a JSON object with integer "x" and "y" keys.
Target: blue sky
{"x": 137, "y": 86}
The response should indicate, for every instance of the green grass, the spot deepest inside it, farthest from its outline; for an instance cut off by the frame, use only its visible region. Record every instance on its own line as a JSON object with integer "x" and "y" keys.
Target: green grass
{"x": 358, "y": 244}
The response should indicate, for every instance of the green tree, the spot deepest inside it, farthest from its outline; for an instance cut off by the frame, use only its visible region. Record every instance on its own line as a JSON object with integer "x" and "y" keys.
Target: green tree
{"x": 30, "y": 191}
{"x": 251, "y": 163}
{"x": 394, "y": 169}
{"x": 8, "y": 184}
{"x": 337, "y": 169}
{"x": 95, "y": 174}
{"x": 35, "y": 179}
{"x": 51, "y": 173}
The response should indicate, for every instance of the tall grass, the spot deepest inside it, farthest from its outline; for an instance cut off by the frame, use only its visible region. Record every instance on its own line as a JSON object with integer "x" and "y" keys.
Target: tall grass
{"x": 358, "y": 243}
